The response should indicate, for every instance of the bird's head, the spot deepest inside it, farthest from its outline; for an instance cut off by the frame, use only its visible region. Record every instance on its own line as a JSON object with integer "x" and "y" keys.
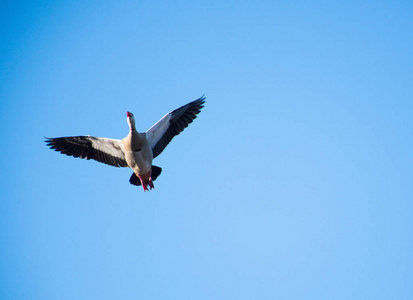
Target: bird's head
{"x": 131, "y": 120}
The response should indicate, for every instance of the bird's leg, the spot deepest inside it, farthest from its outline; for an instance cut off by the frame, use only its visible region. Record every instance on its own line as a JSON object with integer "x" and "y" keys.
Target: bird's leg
{"x": 146, "y": 180}
{"x": 151, "y": 183}
{"x": 145, "y": 186}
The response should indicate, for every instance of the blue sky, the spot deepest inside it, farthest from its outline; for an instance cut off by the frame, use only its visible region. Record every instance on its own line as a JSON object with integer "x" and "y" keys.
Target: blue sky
{"x": 295, "y": 181}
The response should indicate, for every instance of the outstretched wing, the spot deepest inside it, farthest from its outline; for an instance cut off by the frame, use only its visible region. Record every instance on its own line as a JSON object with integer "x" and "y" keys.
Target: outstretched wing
{"x": 172, "y": 124}
{"x": 104, "y": 150}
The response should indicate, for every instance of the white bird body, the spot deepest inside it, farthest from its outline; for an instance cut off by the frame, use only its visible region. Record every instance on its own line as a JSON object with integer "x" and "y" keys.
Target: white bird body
{"x": 136, "y": 150}
{"x": 138, "y": 153}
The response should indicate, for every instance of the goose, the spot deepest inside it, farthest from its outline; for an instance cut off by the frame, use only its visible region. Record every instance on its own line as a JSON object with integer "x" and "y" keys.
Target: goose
{"x": 137, "y": 149}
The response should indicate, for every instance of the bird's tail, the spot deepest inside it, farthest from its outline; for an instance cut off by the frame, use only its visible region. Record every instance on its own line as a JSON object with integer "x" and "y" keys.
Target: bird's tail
{"x": 156, "y": 171}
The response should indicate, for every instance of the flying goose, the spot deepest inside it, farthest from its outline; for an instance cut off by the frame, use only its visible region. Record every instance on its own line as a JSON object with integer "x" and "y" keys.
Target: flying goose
{"x": 136, "y": 150}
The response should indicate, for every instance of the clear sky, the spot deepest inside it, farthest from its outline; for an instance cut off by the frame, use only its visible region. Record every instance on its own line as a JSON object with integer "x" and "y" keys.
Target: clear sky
{"x": 294, "y": 182}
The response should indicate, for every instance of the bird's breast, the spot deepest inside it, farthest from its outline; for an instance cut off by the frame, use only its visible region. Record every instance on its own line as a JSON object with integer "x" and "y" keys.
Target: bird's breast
{"x": 140, "y": 161}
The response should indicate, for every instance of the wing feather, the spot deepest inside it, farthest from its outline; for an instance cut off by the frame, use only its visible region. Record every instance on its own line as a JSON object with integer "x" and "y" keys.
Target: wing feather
{"x": 172, "y": 124}
{"x": 104, "y": 150}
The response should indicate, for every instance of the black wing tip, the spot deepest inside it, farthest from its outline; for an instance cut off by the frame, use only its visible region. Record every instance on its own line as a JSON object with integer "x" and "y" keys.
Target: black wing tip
{"x": 52, "y": 142}
{"x": 49, "y": 141}
{"x": 201, "y": 100}
{"x": 198, "y": 103}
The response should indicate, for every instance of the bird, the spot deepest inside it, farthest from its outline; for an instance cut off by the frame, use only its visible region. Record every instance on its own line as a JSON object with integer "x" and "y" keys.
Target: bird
{"x": 137, "y": 150}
